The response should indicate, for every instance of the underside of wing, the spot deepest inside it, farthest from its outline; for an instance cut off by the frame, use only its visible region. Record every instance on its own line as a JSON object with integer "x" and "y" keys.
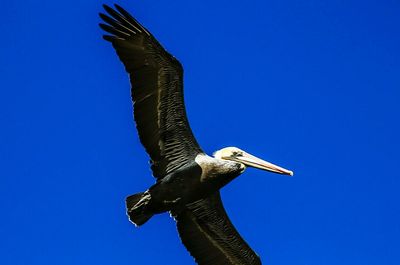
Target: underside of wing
{"x": 210, "y": 237}
{"x": 157, "y": 92}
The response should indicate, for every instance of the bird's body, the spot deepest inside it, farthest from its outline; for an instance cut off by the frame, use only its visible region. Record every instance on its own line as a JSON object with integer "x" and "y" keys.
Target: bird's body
{"x": 199, "y": 179}
{"x": 188, "y": 180}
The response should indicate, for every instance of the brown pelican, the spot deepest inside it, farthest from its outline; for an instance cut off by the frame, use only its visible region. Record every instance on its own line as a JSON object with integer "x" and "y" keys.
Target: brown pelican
{"x": 188, "y": 180}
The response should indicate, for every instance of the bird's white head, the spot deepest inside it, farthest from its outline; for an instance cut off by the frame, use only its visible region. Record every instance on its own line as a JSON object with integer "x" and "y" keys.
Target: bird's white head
{"x": 240, "y": 156}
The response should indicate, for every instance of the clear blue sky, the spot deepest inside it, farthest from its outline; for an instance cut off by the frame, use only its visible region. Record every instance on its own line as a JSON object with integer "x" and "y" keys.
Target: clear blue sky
{"x": 313, "y": 86}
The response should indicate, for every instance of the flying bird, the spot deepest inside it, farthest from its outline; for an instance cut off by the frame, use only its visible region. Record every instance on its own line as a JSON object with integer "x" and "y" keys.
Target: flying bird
{"x": 187, "y": 180}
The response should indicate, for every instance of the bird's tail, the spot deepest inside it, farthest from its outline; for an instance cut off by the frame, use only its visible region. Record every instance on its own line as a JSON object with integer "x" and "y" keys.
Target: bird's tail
{"x": 136, "y": 208}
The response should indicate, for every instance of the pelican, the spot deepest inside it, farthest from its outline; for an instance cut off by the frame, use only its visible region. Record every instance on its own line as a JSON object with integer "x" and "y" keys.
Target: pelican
{"x": 187, "y": 180}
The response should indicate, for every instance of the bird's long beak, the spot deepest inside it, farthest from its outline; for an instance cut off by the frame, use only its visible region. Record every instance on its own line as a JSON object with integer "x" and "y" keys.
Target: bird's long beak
{"x": 252, "y": 161}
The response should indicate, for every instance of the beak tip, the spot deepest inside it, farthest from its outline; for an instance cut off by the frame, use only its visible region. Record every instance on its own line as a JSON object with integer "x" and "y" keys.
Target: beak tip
{"x": 290, "y": 173}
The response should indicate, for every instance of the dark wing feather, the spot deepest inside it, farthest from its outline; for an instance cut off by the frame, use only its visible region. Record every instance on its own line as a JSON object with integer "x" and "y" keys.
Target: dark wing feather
{"x": 157, "y": 92}
{"x": 210, "y": 237}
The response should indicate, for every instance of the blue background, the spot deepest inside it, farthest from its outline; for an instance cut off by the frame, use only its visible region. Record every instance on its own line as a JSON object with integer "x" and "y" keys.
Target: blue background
{"x": 310, "y": 85}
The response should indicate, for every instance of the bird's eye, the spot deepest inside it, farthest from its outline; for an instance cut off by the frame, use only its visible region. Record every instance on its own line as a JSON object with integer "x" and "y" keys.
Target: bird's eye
{"x": 236, "y": 153}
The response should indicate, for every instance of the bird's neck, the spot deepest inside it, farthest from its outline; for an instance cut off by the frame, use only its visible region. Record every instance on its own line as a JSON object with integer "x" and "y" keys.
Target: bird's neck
{"x": 218, "y": 170}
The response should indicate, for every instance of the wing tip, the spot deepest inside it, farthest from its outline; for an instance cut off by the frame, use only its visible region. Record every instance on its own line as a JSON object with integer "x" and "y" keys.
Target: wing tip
{"x": 102, "y": 16}
{"x": 121, "y": 21}
{"x": 119, "y": 8}
{"x": 107, "y": 8}
{"x": 109, "y": 38}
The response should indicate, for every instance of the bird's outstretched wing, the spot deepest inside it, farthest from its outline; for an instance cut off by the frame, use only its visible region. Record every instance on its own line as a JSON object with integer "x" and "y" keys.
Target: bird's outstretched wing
{"x": 210, "y": 237}
{"x": 157, "y": 92}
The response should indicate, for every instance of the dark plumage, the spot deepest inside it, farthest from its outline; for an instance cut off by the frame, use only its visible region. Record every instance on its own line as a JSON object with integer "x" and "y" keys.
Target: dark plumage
{"x": 157, "y": 92}
{"x": 188, "y": 181}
